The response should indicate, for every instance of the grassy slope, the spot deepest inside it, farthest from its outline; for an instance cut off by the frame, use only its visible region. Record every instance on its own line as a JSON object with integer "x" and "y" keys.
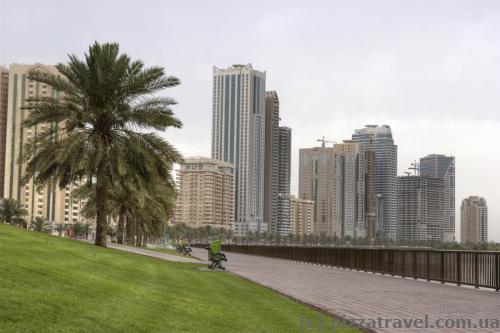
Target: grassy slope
{"x": 49, "y": 284}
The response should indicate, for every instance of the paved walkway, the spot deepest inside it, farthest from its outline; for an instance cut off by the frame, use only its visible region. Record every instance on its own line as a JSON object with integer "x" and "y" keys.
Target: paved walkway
{"x": 154, "y": 254}
{"x": 354, "y": 294}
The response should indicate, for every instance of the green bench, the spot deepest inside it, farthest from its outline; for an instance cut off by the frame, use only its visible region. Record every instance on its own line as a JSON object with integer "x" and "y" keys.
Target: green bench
{"x": 215, "y": 255}
{"x": 182, "y": 248}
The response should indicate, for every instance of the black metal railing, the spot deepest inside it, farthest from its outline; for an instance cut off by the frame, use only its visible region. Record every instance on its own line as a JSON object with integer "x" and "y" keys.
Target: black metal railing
{"x": 479, "y": 269}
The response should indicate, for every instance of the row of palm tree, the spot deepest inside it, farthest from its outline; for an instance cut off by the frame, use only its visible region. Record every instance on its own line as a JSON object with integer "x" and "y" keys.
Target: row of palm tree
{"x": 109, "y": 112}
{"x": 205, "y": 234}
{"x": 12, "y": 212}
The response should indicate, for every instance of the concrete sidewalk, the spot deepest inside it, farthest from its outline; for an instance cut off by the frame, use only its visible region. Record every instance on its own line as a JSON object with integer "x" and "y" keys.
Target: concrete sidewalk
{"x": 155, "y": 254}
{"x": 368, "y": 296}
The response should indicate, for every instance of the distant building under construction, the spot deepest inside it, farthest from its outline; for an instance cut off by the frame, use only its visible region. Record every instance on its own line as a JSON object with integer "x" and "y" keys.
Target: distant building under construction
{"x": 420, "y": 208}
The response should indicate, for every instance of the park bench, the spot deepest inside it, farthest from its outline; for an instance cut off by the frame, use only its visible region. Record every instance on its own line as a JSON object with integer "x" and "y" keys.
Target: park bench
{"x": 215, "y": 255}
{"x": 182, "y": 248}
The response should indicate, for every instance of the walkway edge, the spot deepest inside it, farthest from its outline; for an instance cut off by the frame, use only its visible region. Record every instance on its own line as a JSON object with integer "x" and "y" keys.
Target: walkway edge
{"x": 309, "y": 305}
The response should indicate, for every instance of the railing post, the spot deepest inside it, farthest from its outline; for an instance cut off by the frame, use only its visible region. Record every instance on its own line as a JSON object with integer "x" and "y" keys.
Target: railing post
{"x": 374, "y": 260}
{"x": 393, "y": 252}
{"x": 497, "y": 269}
{"x": 403, "y": 263}
{"x": 415, "y": 266}
{"x": 366, "y": 263}
{"x": 459, "y": 268}
{"x": 383, "y": 261}
{"x": 476, "y": 270}
{"x": 442, "y": 266}
{"x": 428, "y": 265}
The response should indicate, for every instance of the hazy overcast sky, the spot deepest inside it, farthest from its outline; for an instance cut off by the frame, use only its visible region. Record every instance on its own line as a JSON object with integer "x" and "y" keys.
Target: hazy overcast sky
{"x": 429, "y": 69}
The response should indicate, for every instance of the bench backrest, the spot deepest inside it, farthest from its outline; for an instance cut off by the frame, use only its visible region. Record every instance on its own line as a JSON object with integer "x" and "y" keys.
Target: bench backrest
{"x": 215, "y": 247}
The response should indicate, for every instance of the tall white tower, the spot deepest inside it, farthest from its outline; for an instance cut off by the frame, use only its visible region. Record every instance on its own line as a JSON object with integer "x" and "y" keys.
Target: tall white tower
{"x": 238, "y": 137}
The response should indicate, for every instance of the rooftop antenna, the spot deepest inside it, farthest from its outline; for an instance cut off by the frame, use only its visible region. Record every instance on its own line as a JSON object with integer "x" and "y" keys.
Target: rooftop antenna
{"x": 323, "y": 141}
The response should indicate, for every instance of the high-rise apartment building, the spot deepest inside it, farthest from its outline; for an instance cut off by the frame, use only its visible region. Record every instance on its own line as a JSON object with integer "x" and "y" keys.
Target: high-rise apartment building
{"x": 317, "y": 184}
{"x": 301, "y": 214}
{"x": 205, "y": 193}
{"x": 271, "y": 161}
{"x": 420, "y": 208}
{"x": 277, "y": 168}
{"x": 4, "y": 92}
{"x": 474, "y": 220}
{"x": 283, "y": 223}
{"x": 379, "y": 140}
{"x": 441, "y": 166}
{"x": 48, "y": 201}
{"x": 284, "y": 159}
{"x": 238, "y": 133}
{"x": 354, "y": 190}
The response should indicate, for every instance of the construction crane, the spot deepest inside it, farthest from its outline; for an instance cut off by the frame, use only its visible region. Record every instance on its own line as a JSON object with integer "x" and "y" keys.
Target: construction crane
{"x": 323, "y": 141}
{"x": 415, "y": 167}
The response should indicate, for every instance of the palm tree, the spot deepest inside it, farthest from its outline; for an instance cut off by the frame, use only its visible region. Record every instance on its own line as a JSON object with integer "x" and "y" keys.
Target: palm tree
{"x": 109, "y": 112}
{"x": 11, "y": 212}
{"x": 60, "y": 228}
{"x": 121, "y": 201}
{"x": 144, "y": 210}
{"x": 39, "y": 224}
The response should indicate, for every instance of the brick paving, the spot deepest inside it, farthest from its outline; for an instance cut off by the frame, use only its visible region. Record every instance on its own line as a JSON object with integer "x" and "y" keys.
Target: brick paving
{"x": 354, "y": 294}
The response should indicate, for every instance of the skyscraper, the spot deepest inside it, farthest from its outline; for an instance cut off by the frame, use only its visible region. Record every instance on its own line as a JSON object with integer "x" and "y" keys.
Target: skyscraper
{"x": 276, "y": 169}
{"x": 271, "y": 161}
{"x": 317, "y": 184}
{"x": 379, "y": 140}
{"x": 284, "y": 226}
{"x": 205, "y": 193}
{"x": 49, "y": 201}
{"x": 441, "y": 166}
{"x": 238, "y": 132}
{"x": 474, "y": 220}
{"x": 354, "y": 190}
{"x": 420, "y": 208}
{"x": 4, "y": 92}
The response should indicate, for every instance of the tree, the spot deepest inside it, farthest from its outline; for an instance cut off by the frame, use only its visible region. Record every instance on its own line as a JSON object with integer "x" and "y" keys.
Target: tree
{"x": 60, "y": 228}
{"x": 109, "y": 111}
{"x": 39, "y": 223}
{"x": 11, "y": 212}
{"x": 143, "y": 212}
{"x": 78, "y": 229}
{"x": 111, "y": 232}
{"x": 122, "y": 200}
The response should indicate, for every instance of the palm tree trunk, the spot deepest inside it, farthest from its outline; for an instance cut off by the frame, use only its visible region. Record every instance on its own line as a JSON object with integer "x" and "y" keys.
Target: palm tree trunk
{"x": 121, "y": 225}
{"x": 137, "y": 233}
{"x": 130, "y": 230}
{"x": 102, "y": 209}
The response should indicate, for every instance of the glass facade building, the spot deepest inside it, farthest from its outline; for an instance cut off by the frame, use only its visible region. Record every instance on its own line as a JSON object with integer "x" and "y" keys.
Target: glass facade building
{"x": 238, "y": 124}
{"x": 441, "y": 166}
{"x": 379, "y": 140}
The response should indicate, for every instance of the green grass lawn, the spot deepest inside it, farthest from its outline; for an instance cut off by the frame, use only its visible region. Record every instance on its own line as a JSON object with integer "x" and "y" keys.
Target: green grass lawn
{"x": 51, "y": 284}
